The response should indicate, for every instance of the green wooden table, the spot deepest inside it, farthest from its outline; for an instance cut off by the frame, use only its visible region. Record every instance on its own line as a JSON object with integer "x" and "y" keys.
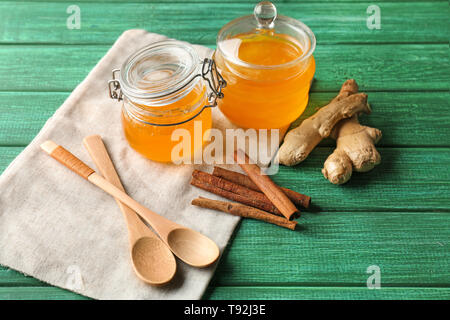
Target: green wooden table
{"x": 396, "y": 217}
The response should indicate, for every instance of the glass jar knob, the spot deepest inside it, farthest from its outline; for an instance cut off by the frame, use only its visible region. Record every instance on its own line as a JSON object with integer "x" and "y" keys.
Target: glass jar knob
{"x": 265, "y": 14}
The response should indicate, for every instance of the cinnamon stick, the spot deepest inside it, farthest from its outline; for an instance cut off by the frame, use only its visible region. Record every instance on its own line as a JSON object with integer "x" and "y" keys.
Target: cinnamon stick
{"x": 241, "y": 210}
{"x": 234, "y": 196}
{"x": 241, "y": 179}
{"x": 266, "y": 185}
{"x": 235, "y": 188}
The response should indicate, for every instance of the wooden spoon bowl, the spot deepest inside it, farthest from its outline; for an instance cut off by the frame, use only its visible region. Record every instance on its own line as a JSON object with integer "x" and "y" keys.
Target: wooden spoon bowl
{"x": 153, "y": 262}
{"x": 192, "y": 247}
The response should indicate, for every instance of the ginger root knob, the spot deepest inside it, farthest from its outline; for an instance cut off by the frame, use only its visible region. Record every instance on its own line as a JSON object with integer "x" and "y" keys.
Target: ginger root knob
{"x": 355, "y": 148}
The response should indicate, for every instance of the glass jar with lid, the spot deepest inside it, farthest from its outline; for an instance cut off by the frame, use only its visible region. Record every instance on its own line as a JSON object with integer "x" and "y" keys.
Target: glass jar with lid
{"x": 266, "y": 60}
{"x": 163, "y": 87}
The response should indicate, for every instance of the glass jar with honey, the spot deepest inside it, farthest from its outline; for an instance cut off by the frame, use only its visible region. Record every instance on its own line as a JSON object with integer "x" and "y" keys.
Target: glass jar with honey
{"x": 163, "y": 87}
{"x": 268, "y": 65}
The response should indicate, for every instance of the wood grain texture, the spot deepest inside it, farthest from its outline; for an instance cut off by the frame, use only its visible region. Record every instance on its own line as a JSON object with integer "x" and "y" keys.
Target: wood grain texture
{"x": 412, "y": 178}
{"x": 325, "y": 293}
{"x": 243, "y": 293}
{"x": 408, "y": 247}
{"x": 376, "y": 67}
{"x": 331, "y": 249}
{"x": 396, "y": 216}
{"x": 38, "y": 293}
{"x": 31, "y": 22}
{"x": 13, "y": 278}
{"x": 336, "y": 248}
{"x": 23, "y": 114}
{"x": 407, "y": 119}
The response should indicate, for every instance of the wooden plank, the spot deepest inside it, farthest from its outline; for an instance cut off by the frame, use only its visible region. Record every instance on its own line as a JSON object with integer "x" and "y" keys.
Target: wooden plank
{"x": 412, "y": 179}
{"x": 335, "y": 249}
{"x": 38, "y": 293}
{"x": 325, "y": 293}
{"x": 7, "y": 155}
{"x": 102, "y": 23}
{"x": 251, "y": 293}
{"x": 330, "y": 249}
{"x": 13, "y": 278}
{"x": 377, "y": 68}
{"x": 22, "y": 114}
{"x": 411, "y": 119}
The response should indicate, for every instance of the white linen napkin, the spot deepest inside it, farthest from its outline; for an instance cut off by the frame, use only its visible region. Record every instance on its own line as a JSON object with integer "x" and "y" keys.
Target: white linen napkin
{"x": 60, "y": 229}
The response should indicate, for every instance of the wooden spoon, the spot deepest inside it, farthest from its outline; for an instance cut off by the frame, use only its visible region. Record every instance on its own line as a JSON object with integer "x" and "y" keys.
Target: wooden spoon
{"x": 190, "y": 246}
{"x": 152, "y": 260}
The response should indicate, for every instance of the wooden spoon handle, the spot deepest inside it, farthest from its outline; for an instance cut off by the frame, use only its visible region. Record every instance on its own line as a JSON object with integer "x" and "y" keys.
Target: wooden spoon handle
{"x": 97, "y": 150}
{"x": 67, "y": 159}
{"x": 160, "y": 224}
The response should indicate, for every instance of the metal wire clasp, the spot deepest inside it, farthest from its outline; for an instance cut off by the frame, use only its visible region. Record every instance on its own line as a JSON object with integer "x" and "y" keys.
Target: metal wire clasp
{"x": 114, "y": 87}
{"x": 215, "y": 82}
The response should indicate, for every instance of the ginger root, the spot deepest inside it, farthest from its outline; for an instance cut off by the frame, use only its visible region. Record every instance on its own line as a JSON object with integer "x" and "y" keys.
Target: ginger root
{"x": 355, "y": 148}
{"x": 299, "y": 142}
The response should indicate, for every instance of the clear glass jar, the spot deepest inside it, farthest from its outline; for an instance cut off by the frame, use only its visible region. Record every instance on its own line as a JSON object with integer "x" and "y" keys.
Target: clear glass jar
{"x": 163, "y": 89}
{"x": 268, "y": 65}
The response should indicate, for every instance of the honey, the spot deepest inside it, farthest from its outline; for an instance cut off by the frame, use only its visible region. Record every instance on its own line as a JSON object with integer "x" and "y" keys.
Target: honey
{"x": 154, "y": 140}
{"x": 165, "y": 101}
{"x": 268, "y": 98}
{"x": 267, "y": 49}
{"x": 267, "y": 63}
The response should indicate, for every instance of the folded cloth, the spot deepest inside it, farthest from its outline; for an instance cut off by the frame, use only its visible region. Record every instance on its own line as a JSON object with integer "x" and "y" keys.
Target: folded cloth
{"x": 60, "y": 229}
